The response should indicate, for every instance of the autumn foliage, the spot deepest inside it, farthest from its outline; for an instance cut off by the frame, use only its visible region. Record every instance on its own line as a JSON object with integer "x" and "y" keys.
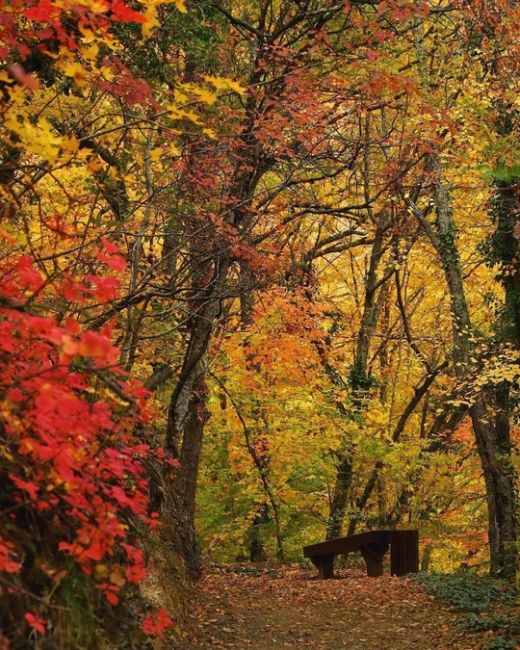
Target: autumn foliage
{"x": 75, "y": 485}
{"x": 259, "y": 269}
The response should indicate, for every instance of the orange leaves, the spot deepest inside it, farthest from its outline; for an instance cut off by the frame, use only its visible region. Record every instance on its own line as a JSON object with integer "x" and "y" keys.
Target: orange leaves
{"x": 89, "y": 344}
{"x": 383, "y": 84}
{"x": 286, "y": 606}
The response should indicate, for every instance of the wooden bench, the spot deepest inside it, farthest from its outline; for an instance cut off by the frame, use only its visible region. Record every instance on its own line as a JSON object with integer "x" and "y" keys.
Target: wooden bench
{"x": 403, "y": 544}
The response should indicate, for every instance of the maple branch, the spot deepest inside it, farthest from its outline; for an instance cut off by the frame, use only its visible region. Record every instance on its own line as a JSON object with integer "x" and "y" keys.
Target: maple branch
{"x": 238, "y": 22}
{"x": 111, "y": 383}
{"x": 406, "y": 324}
{"x": 9, "y": 303}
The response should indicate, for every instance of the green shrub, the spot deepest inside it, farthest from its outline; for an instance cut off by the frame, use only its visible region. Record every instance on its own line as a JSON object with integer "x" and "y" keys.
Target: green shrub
{"x": 467, "y": 591}
{"x": 477, "y": 595}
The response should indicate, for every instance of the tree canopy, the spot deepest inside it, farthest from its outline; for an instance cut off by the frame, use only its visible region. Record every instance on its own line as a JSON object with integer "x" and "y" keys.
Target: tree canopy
{"x": 260, "y": 286}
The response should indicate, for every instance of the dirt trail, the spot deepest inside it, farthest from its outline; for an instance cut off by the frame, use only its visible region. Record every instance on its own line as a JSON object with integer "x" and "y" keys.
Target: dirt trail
{"x": 271, "y": 608}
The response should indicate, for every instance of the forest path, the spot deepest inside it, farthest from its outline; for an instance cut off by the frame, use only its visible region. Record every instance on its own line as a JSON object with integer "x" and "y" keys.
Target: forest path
{"x": 287, "y": 607}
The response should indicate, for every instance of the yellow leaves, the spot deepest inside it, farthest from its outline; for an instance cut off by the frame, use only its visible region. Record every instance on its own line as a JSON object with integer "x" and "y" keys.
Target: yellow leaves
{"x": 96, "y": 6}
{"x": 16, "y": 94}
{"x": 70, "y": 143}
{"x": 155, "y": 154}
{"x": 178, "y": 113}
{"x": 94, "y": 165}
{"x": 90, "y": 53}
{"x": 174, "y": 149}
{"x": 186, "y": 93}
{"x": 75, "y": 71}
{"x": 150, "y": 14}
{"x": 117, "y": 577}
{"x": 377, "y": 415}
{"x": 223, "y": 83}
{"x": 185, "y": 90}
{"x": 100, "y": 571}
{"x": 38, "y": 138}
{"x": 206, "y": 96}
{"x": 150, "y": 21}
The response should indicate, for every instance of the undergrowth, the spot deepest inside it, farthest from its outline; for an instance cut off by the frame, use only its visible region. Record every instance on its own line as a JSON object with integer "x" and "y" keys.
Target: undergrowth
{"x": 491, "y": 605}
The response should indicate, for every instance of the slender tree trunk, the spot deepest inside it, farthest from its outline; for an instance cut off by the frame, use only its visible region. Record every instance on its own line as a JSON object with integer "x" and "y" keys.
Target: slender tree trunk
{"x": 182, "y": 493}
{"x": 338, "y": 505}
{"x": 360, "y": 384}
{"x": 505, "y": 253}
{"x": 492, "y": 439}
{"x": 256, "y": 547}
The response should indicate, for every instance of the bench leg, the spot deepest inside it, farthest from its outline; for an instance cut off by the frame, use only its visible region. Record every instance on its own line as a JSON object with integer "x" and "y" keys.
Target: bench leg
{"x": 373, "y": 555}
{"x": 404, "y": 552}
{"x": 325, "y": 565}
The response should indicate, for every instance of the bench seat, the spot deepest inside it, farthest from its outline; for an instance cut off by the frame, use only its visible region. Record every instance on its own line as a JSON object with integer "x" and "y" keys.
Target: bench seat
{"x": 403, "y": 545}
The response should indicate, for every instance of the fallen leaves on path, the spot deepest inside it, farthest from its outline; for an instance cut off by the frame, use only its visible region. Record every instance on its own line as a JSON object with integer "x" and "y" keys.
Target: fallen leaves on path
{"x": 268, "y": 608}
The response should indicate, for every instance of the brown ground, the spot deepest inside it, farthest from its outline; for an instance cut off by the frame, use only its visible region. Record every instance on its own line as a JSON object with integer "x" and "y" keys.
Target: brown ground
{"x": 286, "y": 607}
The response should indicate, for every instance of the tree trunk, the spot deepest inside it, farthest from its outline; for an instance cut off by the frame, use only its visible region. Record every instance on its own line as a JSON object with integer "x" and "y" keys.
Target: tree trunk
{"x": 181, "y": 505}
{"x": 492, "y": 440}
{"x": 359, "y": 384}
{"x": 256, "y": 548}
{"x": 338, "y": 505}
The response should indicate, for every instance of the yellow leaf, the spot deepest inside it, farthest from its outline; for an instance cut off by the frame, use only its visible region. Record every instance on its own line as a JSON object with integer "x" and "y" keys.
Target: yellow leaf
{"x": 76, "y": 71}
{"x": 91, "y": 52}
{"x": 180, "y": 96}
{"x": 181, "y": 5}
{"x": 94, "y": 165}
{"x": 117, "y": 577}
{"x": 223, "y": 83}
{"x": 70, "y": 143}
{"x": 150, "y": 22}
{"x": 101, "y": 571}
{"x": 177, "y": 113}
{"x": 205, "y": 95}
{"x": 16, "y": 93}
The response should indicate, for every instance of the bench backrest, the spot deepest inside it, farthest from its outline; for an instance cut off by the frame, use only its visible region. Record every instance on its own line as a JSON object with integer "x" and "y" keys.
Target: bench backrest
{"x": 351, "y": 543}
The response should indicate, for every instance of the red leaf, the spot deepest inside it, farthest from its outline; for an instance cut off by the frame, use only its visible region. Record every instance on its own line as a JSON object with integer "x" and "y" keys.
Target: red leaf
{"x": 157, "y": 623}
{"x": 36, "y": 623}
{"x": 44, "y": 11}
{"x": 24, "y": 78}
{"x": 124, "y": 14}
{"x": 30, "y": 488}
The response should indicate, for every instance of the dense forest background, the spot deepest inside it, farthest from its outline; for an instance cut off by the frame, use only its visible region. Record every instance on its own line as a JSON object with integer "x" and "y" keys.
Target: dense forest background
{"x": 260, "y": 287}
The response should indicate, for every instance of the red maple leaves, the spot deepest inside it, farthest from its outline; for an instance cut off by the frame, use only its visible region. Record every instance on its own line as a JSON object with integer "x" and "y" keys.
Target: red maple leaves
{"x": 157, "y": 623}
{"x": 72, "y": 461}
